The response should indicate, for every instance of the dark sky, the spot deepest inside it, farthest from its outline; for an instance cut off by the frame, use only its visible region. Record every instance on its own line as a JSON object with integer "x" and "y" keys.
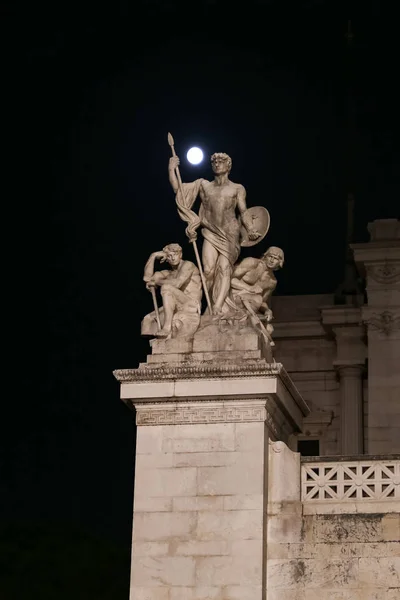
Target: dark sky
{"x": 93, "y": 94}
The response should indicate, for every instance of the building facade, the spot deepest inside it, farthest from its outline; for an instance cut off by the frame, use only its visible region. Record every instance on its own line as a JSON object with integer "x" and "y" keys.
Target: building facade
{"x": 345, "y": 358}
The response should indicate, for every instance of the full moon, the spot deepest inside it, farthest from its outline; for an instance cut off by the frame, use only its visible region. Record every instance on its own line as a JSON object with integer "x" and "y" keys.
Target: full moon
{"x": 195, "y": 156}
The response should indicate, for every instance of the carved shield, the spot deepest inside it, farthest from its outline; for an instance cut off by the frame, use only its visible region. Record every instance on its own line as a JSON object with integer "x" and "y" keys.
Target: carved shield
{"x": 260, "y": 218}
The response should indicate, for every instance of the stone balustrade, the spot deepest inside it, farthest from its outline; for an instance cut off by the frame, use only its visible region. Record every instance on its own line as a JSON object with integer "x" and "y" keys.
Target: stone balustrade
{"x": 369, "y": 484}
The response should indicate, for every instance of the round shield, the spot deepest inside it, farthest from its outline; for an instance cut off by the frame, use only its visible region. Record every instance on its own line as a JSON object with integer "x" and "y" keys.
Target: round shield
{"x": 260, "y": 219}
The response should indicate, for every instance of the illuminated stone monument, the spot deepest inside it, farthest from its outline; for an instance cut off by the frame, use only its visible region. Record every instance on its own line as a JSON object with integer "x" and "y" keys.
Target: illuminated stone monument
{"x": 210, "y": 402}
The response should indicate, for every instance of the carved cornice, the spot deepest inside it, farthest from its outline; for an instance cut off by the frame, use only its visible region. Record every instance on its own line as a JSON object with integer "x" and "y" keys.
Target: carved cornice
{"x": 174, "y": 375}
{"x": 203, "y": 371}
{"x": 385, "y": 322}
{"x": 384, "y": 273}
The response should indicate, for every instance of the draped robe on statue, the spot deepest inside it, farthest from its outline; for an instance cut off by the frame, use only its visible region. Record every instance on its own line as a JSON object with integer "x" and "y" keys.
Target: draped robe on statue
{"x": 226, "y": 240}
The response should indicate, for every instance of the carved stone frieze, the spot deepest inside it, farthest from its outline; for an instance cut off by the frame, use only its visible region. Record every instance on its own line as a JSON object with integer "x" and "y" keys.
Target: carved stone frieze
{"x": 385, "y": 273}
{"x": 203, "y": 413}
{"x": 385, "y": 322}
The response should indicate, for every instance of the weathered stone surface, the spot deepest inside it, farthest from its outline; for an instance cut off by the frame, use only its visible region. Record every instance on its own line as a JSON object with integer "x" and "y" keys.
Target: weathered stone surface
{"x": 198, "y": 503}
{"x": 149, "y": 593}
{"x": 328, "y": 551}
{"x": 164, "y": 483}
{"x": 312, "y": 573}
{"x": 203, "y": 459}
{"x": 230, "y": 480}
{"x": 197, "y": 548}
{"x": 285, "y": 528}
{"x": 209, "y": 339}
{"x": 146, "y": 504}
{"x": 391, "y": 528}
{"x": 199, "y": 357}
{"x": 163, "y": 571}
{"x": 329, "y": 594}
{"x": 229, "y": 525}
{"x": 229, "y": 570}
{"x": 248, "y": 502}
{"x": 241, "y": 592}
{"x": 216, "y": 437}
{"x": 347, "y": 528}
{"x": 380, "y": 572}
{"x": 249, "y": 437}
{"x": 151, "y": 548}
{"x": 148, "y": 441}
{"x": 163, "y": 526}
{"x": 344, "y": 558}
{"x": 229, "y": 592}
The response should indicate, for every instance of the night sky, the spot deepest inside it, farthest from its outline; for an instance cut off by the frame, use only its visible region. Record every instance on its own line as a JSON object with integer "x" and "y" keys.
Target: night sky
{"x": 93, "y": 94}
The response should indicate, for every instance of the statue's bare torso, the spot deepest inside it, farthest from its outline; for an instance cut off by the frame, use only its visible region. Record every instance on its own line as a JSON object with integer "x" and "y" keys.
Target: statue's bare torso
{"x": 220, "y": 201}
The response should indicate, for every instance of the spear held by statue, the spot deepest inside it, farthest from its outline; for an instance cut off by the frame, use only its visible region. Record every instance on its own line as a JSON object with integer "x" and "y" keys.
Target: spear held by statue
{"x": 193, "y": 221}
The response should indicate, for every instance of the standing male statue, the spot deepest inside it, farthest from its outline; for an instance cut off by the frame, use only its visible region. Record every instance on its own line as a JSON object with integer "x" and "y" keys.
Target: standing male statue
{"x": 221, "y": 200}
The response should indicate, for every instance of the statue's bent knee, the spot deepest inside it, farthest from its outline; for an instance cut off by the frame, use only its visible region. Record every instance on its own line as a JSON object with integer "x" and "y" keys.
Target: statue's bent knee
{"x": 167, "y": 289}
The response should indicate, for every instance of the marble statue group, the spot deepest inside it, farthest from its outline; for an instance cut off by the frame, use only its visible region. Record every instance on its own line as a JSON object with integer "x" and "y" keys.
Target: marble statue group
{"x": 235, "y": 291}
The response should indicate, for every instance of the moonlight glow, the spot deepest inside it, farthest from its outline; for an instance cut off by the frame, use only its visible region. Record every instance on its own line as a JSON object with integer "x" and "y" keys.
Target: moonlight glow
{"x": 195, "y": 156}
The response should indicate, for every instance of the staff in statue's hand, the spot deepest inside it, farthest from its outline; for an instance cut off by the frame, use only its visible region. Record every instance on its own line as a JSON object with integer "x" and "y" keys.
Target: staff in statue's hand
{"x": 189, "y": 216}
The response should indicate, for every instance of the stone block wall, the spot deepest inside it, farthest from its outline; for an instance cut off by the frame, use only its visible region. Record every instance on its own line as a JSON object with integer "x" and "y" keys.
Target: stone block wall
{"x": 199, "y": 512}
{"x": 336, "y": 557}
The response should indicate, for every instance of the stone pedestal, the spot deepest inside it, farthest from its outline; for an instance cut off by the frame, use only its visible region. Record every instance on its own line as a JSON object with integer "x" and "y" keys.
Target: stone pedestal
{"x": 206, "y": 411}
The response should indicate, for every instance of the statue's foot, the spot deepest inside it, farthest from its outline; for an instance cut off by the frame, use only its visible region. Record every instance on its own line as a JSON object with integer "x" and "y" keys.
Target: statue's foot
{"x": 217, "y": 312}
{"x": 163, "y": 333}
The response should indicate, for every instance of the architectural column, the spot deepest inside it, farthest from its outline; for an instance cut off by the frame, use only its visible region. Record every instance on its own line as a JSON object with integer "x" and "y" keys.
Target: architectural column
{"x": 345, "y": 322}
{"x": 379, "y": 262}
{"x": 351, "y": 396}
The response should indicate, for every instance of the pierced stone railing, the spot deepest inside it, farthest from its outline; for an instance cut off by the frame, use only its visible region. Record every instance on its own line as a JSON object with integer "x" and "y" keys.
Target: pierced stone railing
{"x": 353, "y": 484}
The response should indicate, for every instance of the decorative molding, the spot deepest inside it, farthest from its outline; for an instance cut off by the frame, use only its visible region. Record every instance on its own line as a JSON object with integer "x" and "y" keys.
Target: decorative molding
{"x": 258, "y": 368}
{"x": 277, "y": 447}
{"x": 181, "y": 415}
{"x": 385, "y": 273}
{"x": 353, "y": 481}
{"x": 349, "y": 369}
{"x": 385, "y": 322}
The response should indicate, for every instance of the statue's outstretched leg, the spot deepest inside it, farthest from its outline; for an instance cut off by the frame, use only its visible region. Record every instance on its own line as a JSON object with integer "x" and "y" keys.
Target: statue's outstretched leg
{"x": 222, "y": 283}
